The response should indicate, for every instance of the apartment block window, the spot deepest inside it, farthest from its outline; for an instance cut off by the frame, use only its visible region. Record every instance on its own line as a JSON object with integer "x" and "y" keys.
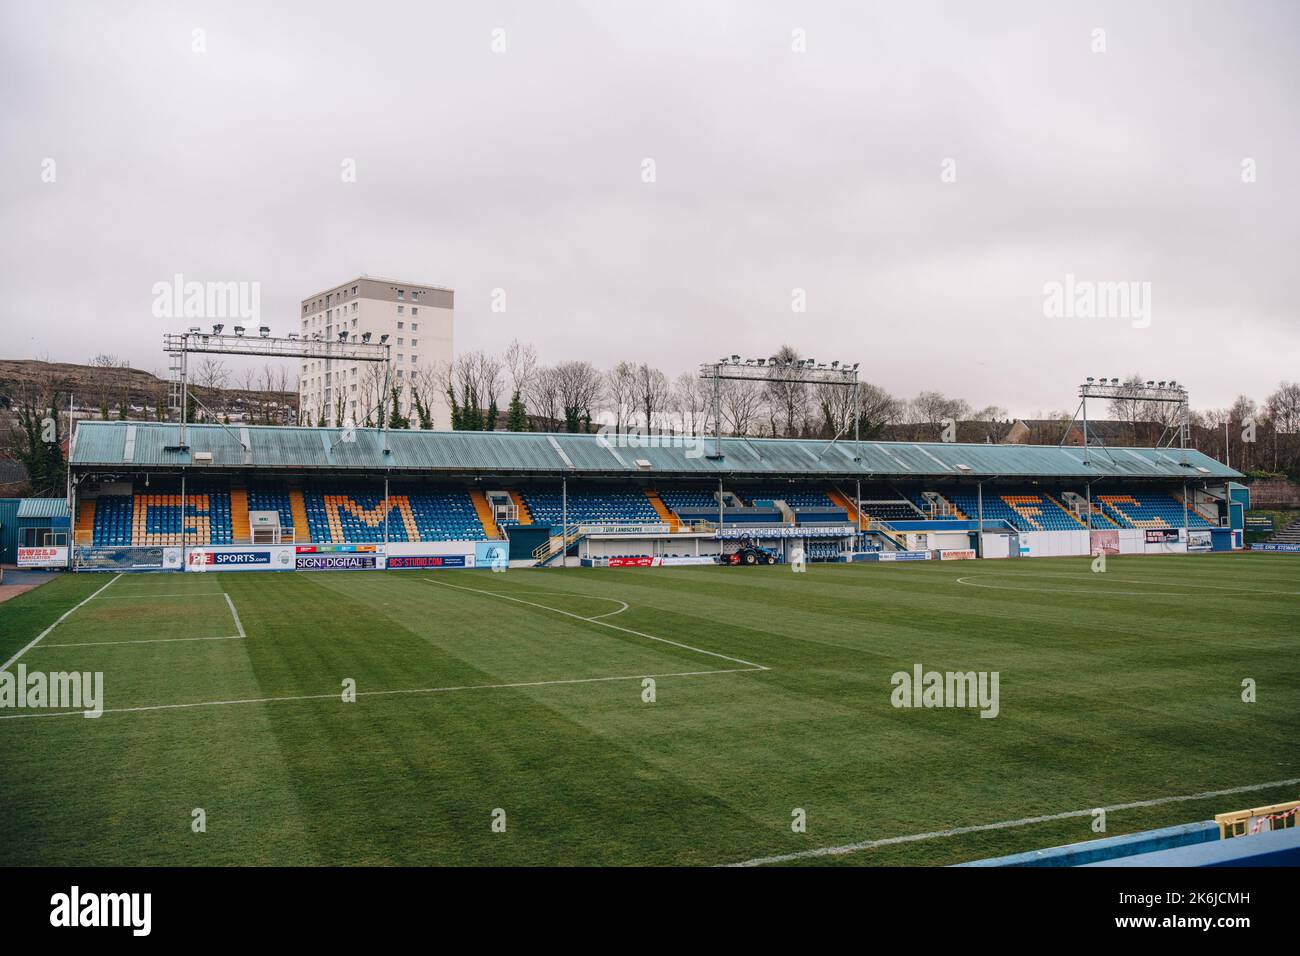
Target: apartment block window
{"x": 414, "y": 343}
{"x": 354, "y": 307}
{"x": 354, "y": 290}
{"x": 399, "y": 325}
{"x": 401, "y": 310}
{"x": 399, "y": 373}
{"x": 415, "y": 310}
{"x": 401, "y": 294}
{"x": 400, "y": 341}
{"x": 413, "y": 358}
{"x": 354, "y": 323}
{"x": 399, "y": 356}
{"x": 415, "y": 326}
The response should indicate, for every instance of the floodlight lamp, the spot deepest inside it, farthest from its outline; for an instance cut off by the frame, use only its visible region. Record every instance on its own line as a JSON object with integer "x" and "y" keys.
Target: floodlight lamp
{"x": 239, "y": 330}
{"x": 1089, "y": 379}
{"x": 365, "y": 337}
{"x": 383, "y": 338}
{"x": 216, "y": 329}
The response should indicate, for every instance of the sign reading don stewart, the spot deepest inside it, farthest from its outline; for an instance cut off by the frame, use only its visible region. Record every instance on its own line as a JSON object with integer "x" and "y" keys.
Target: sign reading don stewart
{"x": 335, "y": 562}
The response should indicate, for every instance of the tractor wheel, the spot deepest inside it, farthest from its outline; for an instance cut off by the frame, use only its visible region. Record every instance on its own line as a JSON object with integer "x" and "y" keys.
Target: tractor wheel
{"x": 750, "y": 559}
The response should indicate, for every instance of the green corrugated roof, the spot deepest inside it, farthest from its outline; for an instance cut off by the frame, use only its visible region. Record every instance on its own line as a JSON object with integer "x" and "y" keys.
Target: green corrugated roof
{"x": 43, "y": 508}
{"x": 132, "y": 445}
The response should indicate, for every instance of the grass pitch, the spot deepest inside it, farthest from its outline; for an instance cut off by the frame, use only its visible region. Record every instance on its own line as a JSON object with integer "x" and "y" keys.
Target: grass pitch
{"x": 524, "y": 692}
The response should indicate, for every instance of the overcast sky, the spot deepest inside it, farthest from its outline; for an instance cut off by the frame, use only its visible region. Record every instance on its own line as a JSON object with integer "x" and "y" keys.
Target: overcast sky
{"x": 774, "y": 170}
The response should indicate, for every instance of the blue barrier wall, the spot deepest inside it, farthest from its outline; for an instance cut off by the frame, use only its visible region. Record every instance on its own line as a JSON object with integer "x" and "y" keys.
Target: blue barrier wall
{"x": 1094, "y": 852}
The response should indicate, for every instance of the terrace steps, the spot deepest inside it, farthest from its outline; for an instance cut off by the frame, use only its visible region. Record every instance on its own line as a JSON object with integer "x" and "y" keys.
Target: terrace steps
{"x": 241, "y": 532}
{"x": 484, "y": 512}
{"x": 1060, "y": 504}
{"x": 84, "y": 532}
{"x": 521, "y": 509}
{"x": 841, "y": 500}
{"x": 674, "y": 523}
{"x": 298, "y": 511}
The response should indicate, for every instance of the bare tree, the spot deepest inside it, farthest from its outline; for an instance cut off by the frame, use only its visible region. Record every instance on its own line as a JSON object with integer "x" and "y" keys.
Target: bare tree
{"x": 787, "y": 401}
{"x": 690, "y": 400}
{"x": 521, "y": 364}
{"x": 544, "y": 397}
{"x": 581, "y": 386}
{"x": 742, "y": 405}
{"x": 1283, "y": 409}
{"x": 651, "y": 390}
{"x": 620, "y": 394}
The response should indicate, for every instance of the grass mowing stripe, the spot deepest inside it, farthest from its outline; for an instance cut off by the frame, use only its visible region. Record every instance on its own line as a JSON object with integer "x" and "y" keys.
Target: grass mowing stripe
{"x": 378, "y": 693}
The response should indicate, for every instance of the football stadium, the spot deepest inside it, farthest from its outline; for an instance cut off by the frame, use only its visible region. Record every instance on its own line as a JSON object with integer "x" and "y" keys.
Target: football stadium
{"x": 373, "y": 646}
{"x": 419, "y": 499}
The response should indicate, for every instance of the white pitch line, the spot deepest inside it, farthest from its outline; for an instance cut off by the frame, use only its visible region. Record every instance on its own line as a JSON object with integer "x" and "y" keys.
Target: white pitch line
{"x": 235, "y": 614}
{"x": 36, "y": 640}
{"x": 374, "y": 693}
{"x": 169, "y": 640}
{"x": 592, "y": 620}
{"x": 1008, "y": 824}
{"x": 152, "y": 640}
{"x": 142, "y": 592}
{"x": 597, "y": 617}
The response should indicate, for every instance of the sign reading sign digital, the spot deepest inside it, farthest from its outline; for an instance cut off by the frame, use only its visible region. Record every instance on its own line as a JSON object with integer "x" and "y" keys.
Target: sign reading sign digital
{"x": 335, "y": 562}
{"x": 427, "y": 561}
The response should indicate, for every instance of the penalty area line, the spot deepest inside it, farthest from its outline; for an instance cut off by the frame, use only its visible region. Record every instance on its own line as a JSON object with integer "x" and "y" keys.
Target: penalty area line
{"x": 596, "y": 620}
{"x": 376, "y": 693}
{"x": 37, "y": 639}
{"x": 1007, "y": 824}
{"x": 167, "y": 640}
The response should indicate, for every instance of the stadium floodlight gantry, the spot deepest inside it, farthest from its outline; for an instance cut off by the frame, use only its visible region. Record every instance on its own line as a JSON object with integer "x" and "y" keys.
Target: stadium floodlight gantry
{"x": 180, "y": 345}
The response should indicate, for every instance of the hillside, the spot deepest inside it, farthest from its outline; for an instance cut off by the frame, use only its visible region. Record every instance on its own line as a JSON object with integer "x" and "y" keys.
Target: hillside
{"x": 111, "y": 388}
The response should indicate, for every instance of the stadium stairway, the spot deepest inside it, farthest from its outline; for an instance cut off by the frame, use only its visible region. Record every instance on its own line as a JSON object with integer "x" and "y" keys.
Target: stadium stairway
{"x": 1060, "y": 504}
{"x": 1196, "y": 509}
{"x": 298, "y": 511}
{"x": 241, "y": 531}
{"x": 1029, "y": 507}
{"x": 84, "y": 533}
{"x": 484, "y": 512}
{"x": 523, "y": 515}
{"x": 841, "y": 500}
{"x": 674, "y": 523}
{"x": 957, "y": 512}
